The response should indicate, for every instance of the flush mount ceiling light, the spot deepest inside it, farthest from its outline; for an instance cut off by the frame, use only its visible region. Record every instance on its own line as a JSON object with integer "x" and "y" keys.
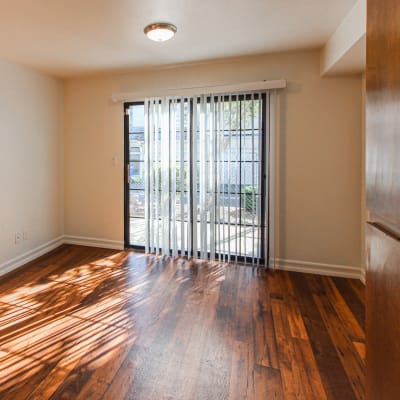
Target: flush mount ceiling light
{"x": 160, "y": 31}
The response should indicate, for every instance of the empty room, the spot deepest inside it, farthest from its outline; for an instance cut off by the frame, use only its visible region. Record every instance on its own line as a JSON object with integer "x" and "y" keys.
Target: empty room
{"x": 200, "y": 200}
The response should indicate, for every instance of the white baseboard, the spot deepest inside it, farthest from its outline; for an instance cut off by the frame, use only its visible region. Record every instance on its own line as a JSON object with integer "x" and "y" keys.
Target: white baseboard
{"x": 93, "y": 242}
{"x": 30, "y": 255}
{"x": 343, "y": 271}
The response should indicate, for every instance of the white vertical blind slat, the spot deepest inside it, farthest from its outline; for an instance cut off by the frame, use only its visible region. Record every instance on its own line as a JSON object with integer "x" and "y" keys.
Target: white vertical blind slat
{"x": 243, "y": 228}
{"x": 157, "y": 114}
{"x": 194, "y": 175}
{"x": 203, "y": 180}
{"x": 165, "y": 178}
{"x": 152, "y": 127}
{"x": 224, "y": 179}
{"x": 266, "y": 204}
{"x": 229, "y": 175}
{"x": 237, "y": 177}
{"x": 150, "y": 186}
{"x": 212, "y": 177}
{"x": 260, "y": 177}
{"x": 182, "y": 174}
{"x": 189, "y": 179}
{"x": 173, "y": 222}
{"x": 253, "y": 244}
{"x": 217, "y": 182}
{"x": 146, "y": 166}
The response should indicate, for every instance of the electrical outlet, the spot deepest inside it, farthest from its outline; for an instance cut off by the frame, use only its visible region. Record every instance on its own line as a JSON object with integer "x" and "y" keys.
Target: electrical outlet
{"x": 25, "y": 235}
{"x": 18, "y": 237}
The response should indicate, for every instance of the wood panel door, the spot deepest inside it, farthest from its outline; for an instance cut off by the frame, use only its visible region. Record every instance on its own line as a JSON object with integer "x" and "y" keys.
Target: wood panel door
{"x": 383, "y": 315}
{"x": 383, "y": 199}
{"x": 383, "y": 113}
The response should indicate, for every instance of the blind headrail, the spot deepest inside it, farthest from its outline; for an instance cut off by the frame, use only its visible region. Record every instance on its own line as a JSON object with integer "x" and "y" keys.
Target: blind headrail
{"x": 198, "y": 90}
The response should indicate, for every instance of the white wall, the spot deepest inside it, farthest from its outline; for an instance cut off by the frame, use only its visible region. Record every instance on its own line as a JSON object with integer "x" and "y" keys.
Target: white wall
{"x": 320, "y": 154}
{"x": 345, "y": 51}
{"x": 31, "y": 160}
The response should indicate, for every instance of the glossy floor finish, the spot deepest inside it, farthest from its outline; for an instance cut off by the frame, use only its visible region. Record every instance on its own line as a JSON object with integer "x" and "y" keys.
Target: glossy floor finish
{"x": 86, "y": 323}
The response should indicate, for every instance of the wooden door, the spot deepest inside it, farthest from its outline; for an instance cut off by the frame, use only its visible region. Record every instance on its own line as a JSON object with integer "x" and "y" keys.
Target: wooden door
{"x": 383, "y": 315}
{"x": 383, "y": 199}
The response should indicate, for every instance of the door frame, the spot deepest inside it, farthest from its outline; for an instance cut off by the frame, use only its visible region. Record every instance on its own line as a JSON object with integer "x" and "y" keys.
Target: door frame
{"x": 127, "y": 244}
{"x": 264, "y": 226}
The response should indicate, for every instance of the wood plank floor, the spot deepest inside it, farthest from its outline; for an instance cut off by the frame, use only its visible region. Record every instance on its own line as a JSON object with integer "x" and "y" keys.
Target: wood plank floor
{"x": 86, "y": 323}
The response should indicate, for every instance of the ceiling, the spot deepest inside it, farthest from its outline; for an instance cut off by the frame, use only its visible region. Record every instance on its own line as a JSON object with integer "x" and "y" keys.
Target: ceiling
{"x": 74, "y": 37}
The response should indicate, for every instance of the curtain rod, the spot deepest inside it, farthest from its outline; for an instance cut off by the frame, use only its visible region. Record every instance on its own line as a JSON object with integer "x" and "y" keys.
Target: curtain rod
{"x": 195, "y": 90}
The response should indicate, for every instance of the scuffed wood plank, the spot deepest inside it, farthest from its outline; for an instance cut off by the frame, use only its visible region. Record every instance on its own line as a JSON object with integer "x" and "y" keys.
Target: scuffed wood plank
{"x": 293, "y": 386}
{"x": 343, "y": 345}
{"x": 242, "y": 372}
{"x": 336, "y": 382}
{"x": 268, "y": 383}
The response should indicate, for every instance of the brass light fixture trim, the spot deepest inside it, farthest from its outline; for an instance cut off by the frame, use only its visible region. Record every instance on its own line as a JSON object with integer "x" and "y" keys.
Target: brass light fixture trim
{"x": 160, "y": 31}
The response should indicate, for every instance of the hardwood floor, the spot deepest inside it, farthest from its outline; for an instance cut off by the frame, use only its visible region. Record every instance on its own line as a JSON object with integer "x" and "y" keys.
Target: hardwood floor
{"x": 86, "y": 323}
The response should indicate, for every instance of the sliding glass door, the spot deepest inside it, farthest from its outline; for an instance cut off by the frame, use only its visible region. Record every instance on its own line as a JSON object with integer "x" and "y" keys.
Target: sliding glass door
{"x": 196, "y": 176}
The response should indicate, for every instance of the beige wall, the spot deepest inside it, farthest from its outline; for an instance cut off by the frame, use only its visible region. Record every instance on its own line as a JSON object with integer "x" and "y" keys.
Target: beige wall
{"x": 31, "y": 159}
{"x": 320, "y": 154}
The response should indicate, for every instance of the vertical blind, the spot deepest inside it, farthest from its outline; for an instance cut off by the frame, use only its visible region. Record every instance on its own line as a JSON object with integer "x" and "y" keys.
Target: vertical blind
{"x": 204, "y": 175}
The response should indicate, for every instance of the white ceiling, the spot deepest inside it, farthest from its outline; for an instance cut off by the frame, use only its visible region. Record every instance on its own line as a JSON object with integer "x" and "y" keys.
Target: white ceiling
{"x": 72, "y": 37}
